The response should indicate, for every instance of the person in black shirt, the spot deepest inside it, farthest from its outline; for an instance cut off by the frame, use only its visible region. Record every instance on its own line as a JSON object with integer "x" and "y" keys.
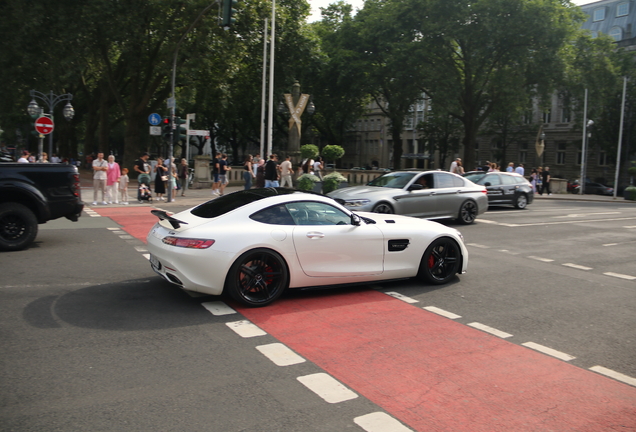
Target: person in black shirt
{"x": 271, "y": 171}
{"x": 545, "y": 177}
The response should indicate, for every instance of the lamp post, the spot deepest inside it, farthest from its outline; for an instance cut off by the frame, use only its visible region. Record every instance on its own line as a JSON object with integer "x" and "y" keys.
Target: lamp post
{"x": 51, "y": 100}
{"x": 586, "y": 139}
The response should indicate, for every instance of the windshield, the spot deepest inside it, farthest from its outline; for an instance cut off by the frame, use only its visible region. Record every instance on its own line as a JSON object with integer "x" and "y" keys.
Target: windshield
{"x": 474, "y": 177}
{"x": 392, "y": 180}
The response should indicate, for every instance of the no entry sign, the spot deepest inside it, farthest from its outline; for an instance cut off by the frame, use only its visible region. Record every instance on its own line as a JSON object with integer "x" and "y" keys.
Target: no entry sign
{"x": 44, "y": 125}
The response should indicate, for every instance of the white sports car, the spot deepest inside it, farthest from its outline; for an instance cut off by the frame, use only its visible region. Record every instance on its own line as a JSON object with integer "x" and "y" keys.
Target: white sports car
{"x": 254, "y": 244}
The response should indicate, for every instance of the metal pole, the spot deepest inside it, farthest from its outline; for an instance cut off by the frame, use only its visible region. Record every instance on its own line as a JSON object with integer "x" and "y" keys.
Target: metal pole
{"x": 264, "y": 88}
{"x": 582, "y": 180}
{"x": 620, "y": 138}
{"x": 270, "y": 114}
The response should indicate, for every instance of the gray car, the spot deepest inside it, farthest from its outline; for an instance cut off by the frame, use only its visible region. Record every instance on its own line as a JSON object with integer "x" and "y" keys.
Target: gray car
{"x": 428, "y": 194}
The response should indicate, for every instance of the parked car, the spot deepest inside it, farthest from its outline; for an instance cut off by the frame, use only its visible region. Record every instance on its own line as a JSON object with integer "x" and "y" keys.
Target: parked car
{"x": 254, "y": 244}
{"x": 593, "y": 188}
{"x": 428, "y": 194}
{"x": 504, "y": 187}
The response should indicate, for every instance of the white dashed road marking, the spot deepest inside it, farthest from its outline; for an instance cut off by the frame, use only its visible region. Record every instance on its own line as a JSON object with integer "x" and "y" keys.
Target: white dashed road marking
{"x": 401, "y": 297}
{"x": 441, "y": 312}
{"x": 280, "y": 355}
{"x": 218, "y": 308}
{"x": 541, "y": 259}
{"x": 327, "y": 387}
{"x": 380, "y": 422}
{"x": 245, "y": 329}
{"x": 621, "y": 276}
{"x": 549, "y": 351}
{"x": 613, "y": 374}
{"x": 576, "y": 266}
{"x": 490, "y": 330}
{"x": 478, "y": 245}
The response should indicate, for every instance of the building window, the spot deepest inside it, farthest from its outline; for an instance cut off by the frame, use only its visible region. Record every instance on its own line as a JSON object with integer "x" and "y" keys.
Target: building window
{"x": 602, "y": 158}
{"x": 599, "y": 14}
{"x": 560, "y": 154}
{"x": 616, "y": 33}
{"x": 523, "y": 152}
{"x": 565, "y": 115}
{"x": 547, "y": 116}
{"x": 622, "y": 9}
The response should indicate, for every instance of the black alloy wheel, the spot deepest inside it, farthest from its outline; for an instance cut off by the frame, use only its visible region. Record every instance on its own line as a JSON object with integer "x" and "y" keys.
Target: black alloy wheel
{"x": 467, "y": 213}
{"x": 258, "y": 277}
{"x": 18, "y": 226}
{"x": 441, "y": 261}
{"x": 383, "y": 208}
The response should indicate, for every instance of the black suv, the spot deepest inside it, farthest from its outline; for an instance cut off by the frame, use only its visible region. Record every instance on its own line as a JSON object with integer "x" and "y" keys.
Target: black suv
{"x": 504, "y": 187}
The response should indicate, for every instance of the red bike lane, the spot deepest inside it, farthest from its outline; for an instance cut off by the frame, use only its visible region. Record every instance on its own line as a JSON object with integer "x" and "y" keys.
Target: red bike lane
{"x": 428, "y": 371}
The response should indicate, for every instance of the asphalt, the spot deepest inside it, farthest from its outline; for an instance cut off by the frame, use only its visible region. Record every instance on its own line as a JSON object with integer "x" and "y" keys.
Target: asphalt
{"x": 195, "y": 197}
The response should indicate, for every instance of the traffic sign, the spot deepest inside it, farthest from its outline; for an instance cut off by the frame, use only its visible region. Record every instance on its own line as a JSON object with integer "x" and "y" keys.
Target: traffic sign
{"x": 198, "y": 132}
{"x": 44, "y": 125}
{"x": 154, "y": 119}
{"x": 155, "y": 130}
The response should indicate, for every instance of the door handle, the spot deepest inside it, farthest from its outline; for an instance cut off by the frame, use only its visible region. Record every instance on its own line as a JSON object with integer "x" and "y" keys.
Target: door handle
{"x": 315, "y": 235}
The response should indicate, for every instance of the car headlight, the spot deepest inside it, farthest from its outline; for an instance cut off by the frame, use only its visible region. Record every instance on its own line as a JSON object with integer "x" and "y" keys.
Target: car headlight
{"x": 356, "y": 202}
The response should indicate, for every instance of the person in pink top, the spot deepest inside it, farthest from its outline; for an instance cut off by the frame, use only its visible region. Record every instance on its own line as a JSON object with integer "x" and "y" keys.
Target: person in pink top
{"x": 112, "y": 180}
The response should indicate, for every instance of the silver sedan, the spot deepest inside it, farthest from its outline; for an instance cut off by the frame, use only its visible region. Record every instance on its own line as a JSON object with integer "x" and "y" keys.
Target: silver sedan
{"x": 428, "y": 194}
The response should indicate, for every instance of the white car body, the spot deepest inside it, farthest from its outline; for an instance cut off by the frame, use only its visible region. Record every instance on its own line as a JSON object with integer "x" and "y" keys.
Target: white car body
{"x": 314, "y": 254}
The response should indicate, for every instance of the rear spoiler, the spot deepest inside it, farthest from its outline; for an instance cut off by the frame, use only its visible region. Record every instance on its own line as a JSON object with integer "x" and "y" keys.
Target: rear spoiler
{"x": 162, "y": 215}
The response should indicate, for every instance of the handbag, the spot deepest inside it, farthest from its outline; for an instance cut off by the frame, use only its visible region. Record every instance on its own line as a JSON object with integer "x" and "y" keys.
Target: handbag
{"x": 164, "y": 178}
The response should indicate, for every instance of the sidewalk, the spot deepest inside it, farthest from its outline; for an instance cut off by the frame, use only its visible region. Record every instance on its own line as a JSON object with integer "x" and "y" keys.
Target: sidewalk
{"x": 197, "y": 196}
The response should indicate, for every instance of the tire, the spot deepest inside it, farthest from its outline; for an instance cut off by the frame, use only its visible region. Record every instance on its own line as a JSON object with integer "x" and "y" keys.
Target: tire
{"x": 521, "y": 202}
{"x": 441, "y": 261}
{"x": 467, "y": 213}
{"x": 384, "y": 208}
{"x": 18, "y": 226}
{"x": 257, "y": 278}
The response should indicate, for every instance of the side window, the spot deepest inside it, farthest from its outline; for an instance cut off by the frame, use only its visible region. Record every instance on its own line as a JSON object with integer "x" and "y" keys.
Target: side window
{"x": 426, "y": 181}
{"x": 444, "y": 180}
{"x": 276, "y": 215}
{"x": 458, "y": 182}
{"x": 493, "y": 179}
{"x": 508, "y": 180}
{"x": 317, "y": 213}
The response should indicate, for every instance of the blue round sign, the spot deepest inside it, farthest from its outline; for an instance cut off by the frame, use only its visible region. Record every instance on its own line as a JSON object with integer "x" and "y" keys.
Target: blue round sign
{"x": 154, "y": 119}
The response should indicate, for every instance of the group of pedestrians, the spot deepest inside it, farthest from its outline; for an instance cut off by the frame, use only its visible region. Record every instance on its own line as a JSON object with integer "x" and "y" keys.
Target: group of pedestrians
{"x": 260, "y": 173}
{"x": 110, "y": 180}
{"x": 540, "y": 180}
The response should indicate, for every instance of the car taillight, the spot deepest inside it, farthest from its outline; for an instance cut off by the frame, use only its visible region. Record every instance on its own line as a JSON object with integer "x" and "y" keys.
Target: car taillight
{"x": 189, "y": 243}
{"x": 485, "y": 191}
{"x": 76, "y": 185}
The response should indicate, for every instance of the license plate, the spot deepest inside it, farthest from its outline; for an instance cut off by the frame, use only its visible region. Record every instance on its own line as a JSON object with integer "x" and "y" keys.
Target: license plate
{"x": 155, "y": 262}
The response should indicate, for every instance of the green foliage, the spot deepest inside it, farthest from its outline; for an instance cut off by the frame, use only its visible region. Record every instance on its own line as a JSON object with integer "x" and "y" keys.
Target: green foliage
{"x": 632, "y": 171}
{"x": 336, "y": 176}
{"x": 329, "y": 185}
{"x": 306, "y": 182}
{"x": 309, "y": 151}
{"x": 333, "y": 152}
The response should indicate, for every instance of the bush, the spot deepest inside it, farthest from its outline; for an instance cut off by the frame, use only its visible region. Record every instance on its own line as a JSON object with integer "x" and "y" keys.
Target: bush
{"x": 309, "y": 151}
{"x": 306, "y": 182}
{"x": 332, "y": 152}
{"x": 335, "y": 175}
{"x": 331, "y": 181}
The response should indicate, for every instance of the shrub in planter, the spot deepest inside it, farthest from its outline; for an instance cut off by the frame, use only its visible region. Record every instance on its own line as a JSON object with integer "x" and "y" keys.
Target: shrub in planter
{"x": 331, "y": 181}
{"x": 306, "y": 182}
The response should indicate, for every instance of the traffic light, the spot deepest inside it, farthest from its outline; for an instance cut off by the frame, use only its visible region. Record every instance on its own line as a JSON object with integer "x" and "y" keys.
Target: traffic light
{"x": 180, "y": 131}
{"x": 227, "y": 11}
{"x": 166, "y": 128}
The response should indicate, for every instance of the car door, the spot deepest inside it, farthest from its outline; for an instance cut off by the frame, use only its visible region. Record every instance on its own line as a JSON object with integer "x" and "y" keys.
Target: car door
{"x": 449, "y": 193}
{"x": 509, "y": 188}
{"x": 493, "y": 186}
{"x": 328, "y": 245}
{"x": 419, "y": 202}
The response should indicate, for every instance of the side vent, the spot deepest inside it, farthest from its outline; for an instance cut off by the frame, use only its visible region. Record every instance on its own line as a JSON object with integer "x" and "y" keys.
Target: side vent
{"x": 389, "y": 221}
{"x": 398, "y": 245}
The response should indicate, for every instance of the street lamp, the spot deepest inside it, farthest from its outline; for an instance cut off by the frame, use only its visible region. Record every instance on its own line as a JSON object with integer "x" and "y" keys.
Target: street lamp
{"x": 586, "y": 139}
{"x": 51, "y": 100}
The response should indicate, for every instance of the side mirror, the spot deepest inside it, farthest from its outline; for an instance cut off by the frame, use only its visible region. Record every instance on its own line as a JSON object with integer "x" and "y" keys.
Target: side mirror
{"x": 487, "y": 184}
{"x": 415, "y": 186}
{"x": 355, "y": 219}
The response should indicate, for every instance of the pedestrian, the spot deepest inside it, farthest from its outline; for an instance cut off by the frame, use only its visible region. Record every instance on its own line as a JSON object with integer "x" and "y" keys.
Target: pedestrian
{"x": 112, "y": 180}
{"x": 453, "y": 166}
{"x": 539, "y": 181}
{"x": 172, "y": 179}
{"x": 271, "y": 171}
{"x": 55, "y": 159}
{"x": 123, "y": 186}
{"x": 533, "y": 179}
{"x": 142, "y": 168}
{"x": 224, "y": 167}
{"x": 100, "y": 168}
{"x": 255, "y": 163}
{"x": 307, "y": 167}
{"x": 520, "y": 170}
{"x": 44, "y": 158}
{"x": 161, "y": 178}
{"x": 545, "y": 179}
{"x": 182, "y": 173}
{"x": 260, "y": 174}
{"x": 318, "y": 166}
{"x": 286, "y": 170}
{"x": 248, "y": 174}
{"x": 511, "y": 167}
{"x": 460, "y": 168}
{"x": 25, "y": 157}
{"x": 215, "y": 174}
